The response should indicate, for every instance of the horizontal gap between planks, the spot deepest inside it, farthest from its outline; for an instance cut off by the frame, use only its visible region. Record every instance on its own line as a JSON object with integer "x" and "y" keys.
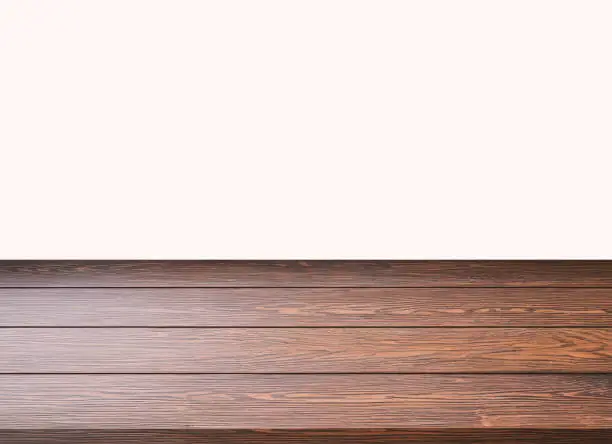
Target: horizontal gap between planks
{"x": 535, "y": 373}
{"x": 330, "y": 287}
{"x": 282, "y": 327}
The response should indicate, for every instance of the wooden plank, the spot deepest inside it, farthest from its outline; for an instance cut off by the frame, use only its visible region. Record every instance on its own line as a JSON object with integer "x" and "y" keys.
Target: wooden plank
{"x": 299, "y": 350}
{"x": 305, "y": 273}
{"x": 305, "y": 401}
{"x": 253, "y": 307}
{"x": 330, "y": 436}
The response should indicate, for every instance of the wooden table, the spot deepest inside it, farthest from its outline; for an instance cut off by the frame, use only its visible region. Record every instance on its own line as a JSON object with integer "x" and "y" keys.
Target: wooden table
{"x": 305, "y": 351}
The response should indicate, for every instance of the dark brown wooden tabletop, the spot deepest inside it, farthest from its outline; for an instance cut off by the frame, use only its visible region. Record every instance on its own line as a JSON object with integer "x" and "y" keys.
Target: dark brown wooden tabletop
{"x": 305, "y": 351}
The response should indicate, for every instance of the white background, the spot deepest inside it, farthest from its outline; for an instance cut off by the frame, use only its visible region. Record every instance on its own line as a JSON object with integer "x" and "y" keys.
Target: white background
{"x": 305, "y": 129}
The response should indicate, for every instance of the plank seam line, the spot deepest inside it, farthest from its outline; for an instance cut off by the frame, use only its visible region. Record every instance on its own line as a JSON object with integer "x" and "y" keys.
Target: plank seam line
{"x": 329, "y": 287}
{"x": 598, "y": 373}
{"x": 281, "y": 327}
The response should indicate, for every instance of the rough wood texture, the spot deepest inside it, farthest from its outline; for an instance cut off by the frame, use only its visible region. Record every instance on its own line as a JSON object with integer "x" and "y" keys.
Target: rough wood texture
{"x": 305, "y": 273}
{"x": 298, "y": 350}
{"x": 354, "y": 436}
{"x": 245, "y": 307}
{"x": 304, "y": 401}
{"x": 227, "y": 367}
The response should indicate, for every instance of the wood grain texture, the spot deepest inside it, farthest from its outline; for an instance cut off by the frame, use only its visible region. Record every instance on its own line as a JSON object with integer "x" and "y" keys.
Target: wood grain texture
{"x": 299, "y": 350}
{"x": 252, "y": 307}
{"x": 330, "y": 436}
{"x": 305, "y": 273}
{"x": 458, "y": 354}
{"x": 304, "y": 401}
